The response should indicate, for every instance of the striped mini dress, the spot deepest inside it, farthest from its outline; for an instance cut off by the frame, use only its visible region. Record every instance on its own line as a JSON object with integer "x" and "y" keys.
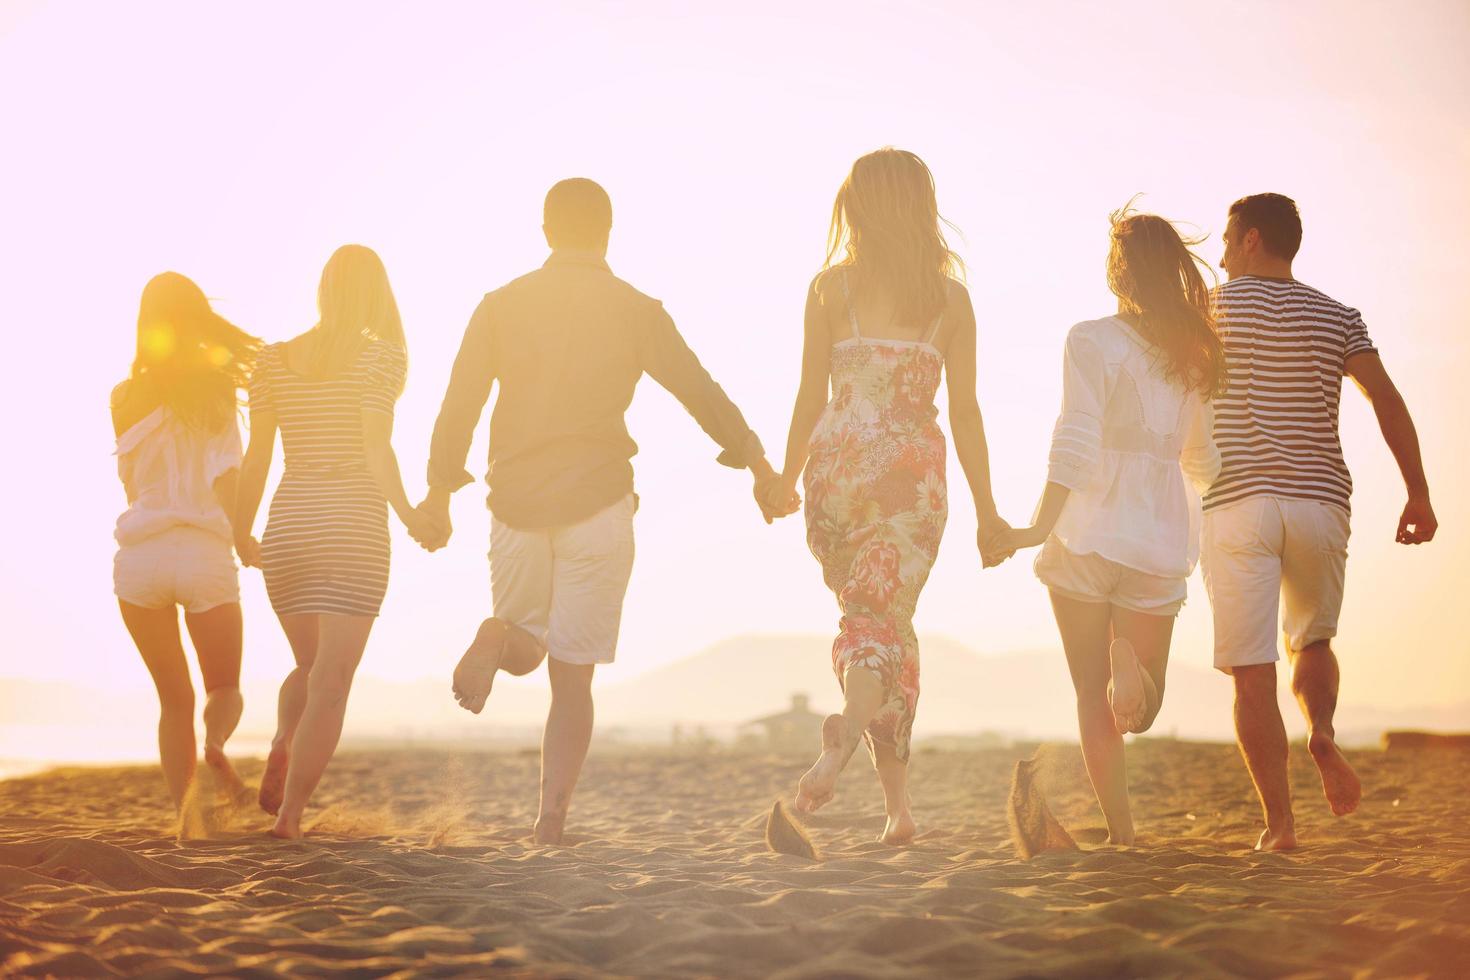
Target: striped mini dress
{"x": 325, "y": 547}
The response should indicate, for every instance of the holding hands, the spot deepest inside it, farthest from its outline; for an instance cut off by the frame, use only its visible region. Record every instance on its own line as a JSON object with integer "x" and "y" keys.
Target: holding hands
{"x": 1010, "y": 540}
{"x": 990, "y": 537}
{"x": 429, "y": 522}
{"x": 775, "y": 496}
{"x": 248, "y": 548}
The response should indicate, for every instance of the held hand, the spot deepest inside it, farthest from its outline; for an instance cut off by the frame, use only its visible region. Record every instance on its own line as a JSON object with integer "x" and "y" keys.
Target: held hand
{"x": 248, "y": 548}
{"x": 1417, "y": 524}
{"x": 775, "y": 498}
{"x": 434, "y": 527}
{"x": 424, "y": 530}
{"x": 991, "y": 526}
{"x": 1010, "y": 541}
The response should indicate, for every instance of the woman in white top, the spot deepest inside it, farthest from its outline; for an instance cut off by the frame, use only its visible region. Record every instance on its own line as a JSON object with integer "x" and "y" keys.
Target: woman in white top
{"x": 1118, "y": 525}
{"x": 178, "y": 455}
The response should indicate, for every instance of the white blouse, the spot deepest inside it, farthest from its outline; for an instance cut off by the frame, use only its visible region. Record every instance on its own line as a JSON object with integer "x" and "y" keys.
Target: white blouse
{"x": 1123, "y": 444}
{"x": 168, "y": 470}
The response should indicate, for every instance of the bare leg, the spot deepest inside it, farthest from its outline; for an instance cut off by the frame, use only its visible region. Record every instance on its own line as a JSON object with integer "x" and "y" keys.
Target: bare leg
{"x": 564, "y": 745}
{"x": 498, "y": 645}
{"x": 156, "y": 633}
{"x": 217, "y": 641}
{"x": 862, "y": 691}
{"x": 1262, "y": 738}
{"x": 893, "y": 774}
{"x": 1314, "y": 678}
{"x": 1086, "y": 629}
{"x": 302, "y": 631}
{"x": 341, "y": 642}
{"x": 1149, "y": 636}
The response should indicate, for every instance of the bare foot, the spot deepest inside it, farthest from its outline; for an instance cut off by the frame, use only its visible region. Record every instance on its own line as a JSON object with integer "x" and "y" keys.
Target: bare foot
{"x": 819, "y": 785}
{"x": 1339, "y": 783}
{"x": 1126, "y": 694}
{"x": 287, "y": 828}
{"x": 549, "y": 827}
{"x": 273, "y": 780}
{"x": 1277, "y": 840}
{"x": 1122, "y": 838}
{"x": 899, "y": 830}
{"x": 476, "y": 671}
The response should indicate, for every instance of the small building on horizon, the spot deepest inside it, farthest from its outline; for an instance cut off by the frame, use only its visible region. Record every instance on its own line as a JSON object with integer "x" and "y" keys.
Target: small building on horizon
{"x": 798, "y": 727}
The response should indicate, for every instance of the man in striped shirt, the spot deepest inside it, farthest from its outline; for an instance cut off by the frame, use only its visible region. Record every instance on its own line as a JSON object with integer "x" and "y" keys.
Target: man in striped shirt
{"x": 1276, "y": 519}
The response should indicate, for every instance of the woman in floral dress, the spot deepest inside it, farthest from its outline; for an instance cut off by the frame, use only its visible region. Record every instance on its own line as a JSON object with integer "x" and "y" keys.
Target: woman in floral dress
{"x": 883, "y": 321}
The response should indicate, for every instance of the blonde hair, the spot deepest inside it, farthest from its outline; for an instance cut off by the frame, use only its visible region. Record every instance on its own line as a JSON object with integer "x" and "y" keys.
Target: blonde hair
{"x": 1157, "y": 279}
{"x": 887, "y": 229}
{"x": 194, "y": 359}
{"x": 355, "y": 306}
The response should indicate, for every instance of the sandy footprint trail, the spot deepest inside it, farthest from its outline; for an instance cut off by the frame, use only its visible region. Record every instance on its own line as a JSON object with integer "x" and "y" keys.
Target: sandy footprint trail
{"x": 666, "y": 872}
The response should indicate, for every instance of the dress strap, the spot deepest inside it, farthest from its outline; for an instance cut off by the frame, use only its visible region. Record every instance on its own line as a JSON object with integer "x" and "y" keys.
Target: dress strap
{"x": 847, "y": 298}
{"x": 934, "y": 330}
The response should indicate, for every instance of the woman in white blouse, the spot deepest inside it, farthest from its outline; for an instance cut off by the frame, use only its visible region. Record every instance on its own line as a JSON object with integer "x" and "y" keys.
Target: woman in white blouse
{"x": 178, "y": 454}
{"x": 1118, "y": 526}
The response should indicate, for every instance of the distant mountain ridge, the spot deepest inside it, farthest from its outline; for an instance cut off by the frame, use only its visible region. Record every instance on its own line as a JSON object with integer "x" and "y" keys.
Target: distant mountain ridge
{"x": 1017, "y": 694}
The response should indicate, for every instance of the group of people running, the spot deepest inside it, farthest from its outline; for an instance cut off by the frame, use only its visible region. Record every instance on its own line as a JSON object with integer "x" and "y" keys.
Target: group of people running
{"x": 1233, "y": 389}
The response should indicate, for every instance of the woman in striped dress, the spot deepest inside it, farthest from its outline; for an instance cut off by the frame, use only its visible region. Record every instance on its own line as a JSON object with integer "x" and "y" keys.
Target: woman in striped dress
{"x": 330, "y": 392}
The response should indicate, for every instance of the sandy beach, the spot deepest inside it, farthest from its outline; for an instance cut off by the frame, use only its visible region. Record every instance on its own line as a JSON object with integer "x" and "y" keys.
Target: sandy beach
{"x": 419, "y": 861}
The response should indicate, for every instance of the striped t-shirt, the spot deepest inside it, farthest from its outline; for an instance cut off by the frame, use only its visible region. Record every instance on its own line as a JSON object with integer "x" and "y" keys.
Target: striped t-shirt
{"x": 1286, "y": 345}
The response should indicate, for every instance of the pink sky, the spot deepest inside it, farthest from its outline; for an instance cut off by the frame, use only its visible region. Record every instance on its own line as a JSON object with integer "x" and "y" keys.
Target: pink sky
{"x": 242, "y": 145}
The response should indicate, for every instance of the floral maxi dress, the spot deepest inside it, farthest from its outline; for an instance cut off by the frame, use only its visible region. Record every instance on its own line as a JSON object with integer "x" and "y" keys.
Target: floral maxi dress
{"x": 875, "y": 511}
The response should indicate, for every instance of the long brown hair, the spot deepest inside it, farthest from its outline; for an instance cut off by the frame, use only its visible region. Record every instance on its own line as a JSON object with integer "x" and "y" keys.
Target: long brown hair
{"x": 355, "y": 306}
{"x": 1157, "y": 279}
{"x": 195, "y": 360}
{"x": 887, "y": 229}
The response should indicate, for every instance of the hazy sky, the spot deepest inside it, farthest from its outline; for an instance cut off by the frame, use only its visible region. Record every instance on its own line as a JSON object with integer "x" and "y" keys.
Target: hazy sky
{"x": 242, "y": 148}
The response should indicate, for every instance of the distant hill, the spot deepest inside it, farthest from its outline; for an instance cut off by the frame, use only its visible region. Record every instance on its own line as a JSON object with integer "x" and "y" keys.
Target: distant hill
{"x": 1022, "y": 695}
{"x": 961, "y": 692}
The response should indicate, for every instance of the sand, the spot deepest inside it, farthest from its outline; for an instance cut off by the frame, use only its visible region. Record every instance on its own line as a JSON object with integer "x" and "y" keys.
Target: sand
{"x": 419, "y": 861}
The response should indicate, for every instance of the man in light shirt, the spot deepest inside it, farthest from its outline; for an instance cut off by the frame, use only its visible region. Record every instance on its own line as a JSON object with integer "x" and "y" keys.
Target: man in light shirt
{"x": 567, "y": 344}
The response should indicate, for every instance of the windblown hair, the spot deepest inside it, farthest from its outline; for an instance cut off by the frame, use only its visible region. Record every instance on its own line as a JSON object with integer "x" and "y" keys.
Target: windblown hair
{"x": 194, "y": 359}
{"x": 886, "y": 228}
{"x": 1158, "y": 280}
{"x": 355, "y": 306}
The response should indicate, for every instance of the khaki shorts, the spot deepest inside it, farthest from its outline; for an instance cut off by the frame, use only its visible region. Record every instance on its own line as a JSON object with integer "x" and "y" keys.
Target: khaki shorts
{"x": 565, "y": 585}
{"x": 184, "y": 566}
{"x": 1262, "y": 554}
{"x": 1093, "y": 578}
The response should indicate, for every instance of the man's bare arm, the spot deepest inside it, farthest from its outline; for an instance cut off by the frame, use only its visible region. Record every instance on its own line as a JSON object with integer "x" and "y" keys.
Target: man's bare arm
{"x": 1417, "y": 524}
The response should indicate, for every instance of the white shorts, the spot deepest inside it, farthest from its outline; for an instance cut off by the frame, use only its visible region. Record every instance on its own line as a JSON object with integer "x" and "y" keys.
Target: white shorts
{"x": 1093, "y": 578}
{"x": 1262, "y": 553}
{"x": 183, "y": 565}
{"x": 565, "y": 585}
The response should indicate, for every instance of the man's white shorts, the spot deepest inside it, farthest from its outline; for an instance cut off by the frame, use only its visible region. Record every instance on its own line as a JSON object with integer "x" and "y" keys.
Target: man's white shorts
{"x": 565, "y": 585}
{"x": 1264, "y": 553}
{"x": 183, "y": 565}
